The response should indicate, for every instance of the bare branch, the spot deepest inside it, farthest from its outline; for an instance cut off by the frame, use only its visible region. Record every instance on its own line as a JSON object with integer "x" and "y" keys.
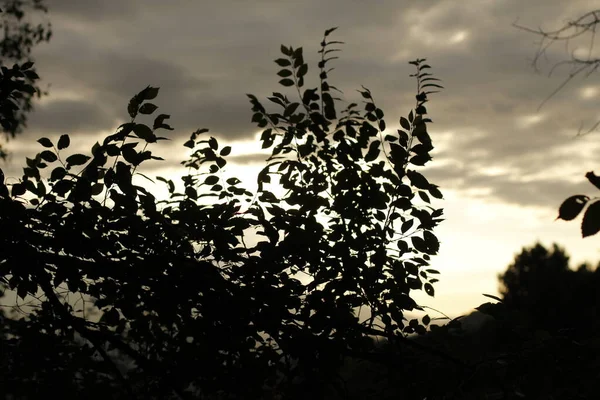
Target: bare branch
{"x": 579, "y": 28}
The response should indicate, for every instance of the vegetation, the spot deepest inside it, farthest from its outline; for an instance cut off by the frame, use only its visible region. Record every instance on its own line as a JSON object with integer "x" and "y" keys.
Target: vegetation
{"x": 539, "y": 341}
{"x": 182, "y": 298}
{"x": 124, "y": 296}
{"x": 17, "y": 88}
{"x": 579, "y": 30}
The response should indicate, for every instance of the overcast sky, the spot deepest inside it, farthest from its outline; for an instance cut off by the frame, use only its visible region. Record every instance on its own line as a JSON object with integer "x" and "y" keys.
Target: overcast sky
{"x": 503, "y": 167}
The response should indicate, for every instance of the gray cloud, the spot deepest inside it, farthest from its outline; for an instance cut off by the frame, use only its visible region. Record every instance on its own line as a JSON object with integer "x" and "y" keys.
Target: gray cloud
{"x": 91, "y": 11}
{"x": 70, "y": 116}
{"x": 206, "y": 55}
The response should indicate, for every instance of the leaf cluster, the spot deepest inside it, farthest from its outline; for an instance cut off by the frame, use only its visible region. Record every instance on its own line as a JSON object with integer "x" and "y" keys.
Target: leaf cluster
{"x": 175, "y": 282}
{"x": 574, "y": 205}
{"x": 18, "y": 85}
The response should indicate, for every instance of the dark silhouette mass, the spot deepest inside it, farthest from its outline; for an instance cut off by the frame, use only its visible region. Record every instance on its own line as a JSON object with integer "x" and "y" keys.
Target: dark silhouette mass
{"x": 167, "y": 299}
{"x": 18, "y": 88}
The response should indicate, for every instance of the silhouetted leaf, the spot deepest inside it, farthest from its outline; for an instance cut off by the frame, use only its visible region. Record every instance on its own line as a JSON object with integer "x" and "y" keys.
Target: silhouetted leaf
{"x": 282, "y": 62}
{"x": 407, "y": 225}
{"x": 435, "y": 192}
{"x": 77, "y": 159}
{"x": 417, "y": 180}
{"x": 373, "y": 152}
{"x": 97, "y": 189}
{"x": 212, "y": 142}
{"x": 328, "y": 31}
{"x": 159, "y": 122}
{"x": 433, "y": 244}
{"x": 18, "y": 189}
{"x": 191, "y": 193}
{"x": 45, "y": 142}
{"x": 591, "y": 220}
{"x": 571, "y": 207}
{"x": 284, "y": 50}
{"x": 49, "y": 156}
{"x": 148, "y": 108}
{"x": 149, "y": 93}
{"x": 211, "y": 179}
{"x": 491, "y": 296}
{"x": 286, "y": 82}
{"x": 593, "y": 178}
{"x": 144, "y": 132}
{"x": 133, "y": 106}
{"x": 63, "y": 142}
{"x": 429, "y": 289}
{"x": 302, "y": 70}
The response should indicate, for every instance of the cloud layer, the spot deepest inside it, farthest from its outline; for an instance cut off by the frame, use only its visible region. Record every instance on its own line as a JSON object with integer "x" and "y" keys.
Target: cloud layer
{"x": 205, "y": 57}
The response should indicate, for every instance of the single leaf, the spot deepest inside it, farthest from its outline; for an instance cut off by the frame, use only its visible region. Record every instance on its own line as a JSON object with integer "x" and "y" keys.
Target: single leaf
{"x": 491, "y": 296}
{"x": 148, "y": 108}
{"x": 282, "y": 62}
{"x": 17, "y": 189}
{"x": 284, "y": 73}
{"x": 426, "y": 320}
{"x": 429, "y": 289}
{"x": 45, "y": 142}
{"x": 404, "y": 124}
{"x": 417, "y": 180}
{"x": 97, "y": 189}
{"x": 419, "y": 244}
{"x": 373, "y": 152}
{"x": 287, "y": 82}
{"x": 63, "y": 142}
{"x": 571, "y": 207}
{"x": 212, "y": 142}
{"x": 286, "y": 51}
{"x": 225, "y": 151}
{"x": 290, "y": 109}
{"x": 211, "y": 180}
{"x": 328, "y": 31}
{"x": 432, "y": 242}
{"x": 159, "y": 122}
{"x": 302, "y": 70}
{"x": 593, "y": 178}
{"x": 148, "y": 94}
{"x": 49, "y": 156}
{"x": 77, "y": 159}
{"x": 144, "y": 132}
{"x": 407, "y": 225}
{"x": 57, "y": 174}
{"x": 591, "y": 220}
{"x": 191, "y": 193}
{"x": 133, "y": 106}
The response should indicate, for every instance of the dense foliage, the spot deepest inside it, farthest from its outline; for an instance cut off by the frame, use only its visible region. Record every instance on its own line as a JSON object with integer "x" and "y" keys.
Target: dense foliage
{"x": 20, "y": 36}
{"x": 539, "y": 341}
{"x": 554, "y": 297}
{"x": 344, "y": 224}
